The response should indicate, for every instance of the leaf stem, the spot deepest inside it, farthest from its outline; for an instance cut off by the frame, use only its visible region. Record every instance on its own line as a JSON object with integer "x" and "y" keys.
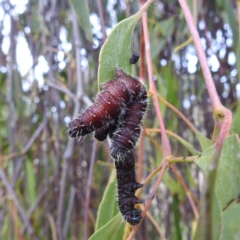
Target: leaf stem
{"x": 201, "y": 56}
{"x": 165, "y": 140}
{"x": 211, "y": 173}
{"x": 188, "y": 193}
{"x": 181, "y": 159}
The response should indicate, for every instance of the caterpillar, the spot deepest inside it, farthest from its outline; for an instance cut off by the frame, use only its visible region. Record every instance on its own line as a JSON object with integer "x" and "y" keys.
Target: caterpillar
{"x": 117, "y": 112}
{"x": 127, "y": 186}
{"x": 125, "y": 136}
{"x": 110, "y": 104}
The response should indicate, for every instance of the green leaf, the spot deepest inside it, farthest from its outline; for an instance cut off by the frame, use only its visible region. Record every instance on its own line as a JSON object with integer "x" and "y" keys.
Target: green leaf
{"x": 231, "y": 222}
{"x": 82, "y": 11}
{"x": 31, "y": 182}
{"x": 116, "y": 52}
{"x": 216, "y": 213}
{"x": 236, "y": 120}
{"x": 108, "y": 207}
{"x": 226, "y": 186}
{"x": 177, "y": 230}
{"x": 204, "y": 141}
{"x": 112, "y": 230}
{"x": 166, "y": 27}
{"x": 187, "y": 145}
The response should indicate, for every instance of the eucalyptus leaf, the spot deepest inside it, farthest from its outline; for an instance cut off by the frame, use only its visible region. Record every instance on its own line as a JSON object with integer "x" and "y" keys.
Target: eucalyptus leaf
{"x": 108, "y": 207}
{"x": 116, "y": 51}
{"x": 82, "y": 11}
{"x": 227, "y": 185}
{"x": 112, "y": 230}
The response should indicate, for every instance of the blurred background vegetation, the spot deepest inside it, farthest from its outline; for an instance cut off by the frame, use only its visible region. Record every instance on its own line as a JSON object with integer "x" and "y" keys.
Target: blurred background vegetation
{"x": 44, "y": 53}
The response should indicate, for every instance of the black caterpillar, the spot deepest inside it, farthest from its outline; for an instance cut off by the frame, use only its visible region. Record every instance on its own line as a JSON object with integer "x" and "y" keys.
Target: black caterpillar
{"x": 117, "y": 113}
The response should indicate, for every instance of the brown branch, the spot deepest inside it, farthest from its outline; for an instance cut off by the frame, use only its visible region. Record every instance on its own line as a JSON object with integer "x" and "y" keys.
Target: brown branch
{"x": 101, "y": 15}
{"x": 21, "y": 211}
{"x": 89, "y": 187}
{"x": 70, "y": 144}
{"x": 188, "y": 193}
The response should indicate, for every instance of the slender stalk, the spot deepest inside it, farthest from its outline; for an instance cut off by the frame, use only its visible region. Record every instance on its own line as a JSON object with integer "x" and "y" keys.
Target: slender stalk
{"x": 53, "y": 226}
{"x": 155, "y": 224}
{"x": 164, "y": 138}
{"x": 101, "y": 15}
{"x": 17, "y": 203}
{"x": 12, "y": 77}
{"x": 172, "y": 134}
{"x": 69, "y": 211}
{"x": 188, "y": 193}
{"x": 201, "y": 56}
{"x": 223, "y": 119}
{"x": 174, "y": 109}
{"x": 210, "y": 176}
{"x": 172, "y": 160}
{"x": 28, "y": 145}
{"x": 89, "y": 187}
{"x": 155, "y": 143}
{"x": 70, "y": 144}
{"x": 238, "y": 7}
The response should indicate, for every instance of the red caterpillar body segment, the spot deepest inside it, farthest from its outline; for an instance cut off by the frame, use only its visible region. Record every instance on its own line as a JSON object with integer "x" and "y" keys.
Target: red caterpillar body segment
{"x": 109, "y": 104}
{"x": 118, "y": 112}
{"x": 127, "y": 187}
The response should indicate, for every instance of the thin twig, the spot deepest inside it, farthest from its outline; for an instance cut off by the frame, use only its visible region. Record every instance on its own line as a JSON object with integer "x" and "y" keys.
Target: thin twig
{"x": 34, "y": 136}
{"x": 69, "y": 211}
{"x": 39, "y": 198}
{"x": 155, "y": 224}
{"x": 101, "y": 15}
{"x": 53, "y": 226}
{"x": 180, "y": 139}
{"x": 190, "y": 159}
{"x": 70, "y": 144}
{"x": 62, "y": 88}
{"x": 89, "y": 187}
{"x": 17, "y": 203}
{"x": 164, "y": 138}
{"x": 188, "y": 193}
{"x": 201, "y": 56}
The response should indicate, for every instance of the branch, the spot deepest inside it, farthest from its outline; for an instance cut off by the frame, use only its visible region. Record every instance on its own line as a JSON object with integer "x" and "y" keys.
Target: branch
{"x": 70, "y": 144}
{"x": 89, "y": 187}
{"x": 17, "y": 203}
{"x": 153, "y": 91}
{"x": 201, "y": 56}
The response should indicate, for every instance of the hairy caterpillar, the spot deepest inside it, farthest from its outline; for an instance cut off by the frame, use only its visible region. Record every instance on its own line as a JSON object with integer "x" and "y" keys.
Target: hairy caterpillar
{"x": 117, "y": 113}
{"x": 127, "y": 186}
{"x": 109, "y": 105}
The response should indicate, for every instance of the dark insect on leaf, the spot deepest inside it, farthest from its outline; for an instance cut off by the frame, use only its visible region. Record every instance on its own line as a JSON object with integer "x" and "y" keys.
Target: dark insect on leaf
{"x": 117, "y": 113}
{"x": 134, "y": 58}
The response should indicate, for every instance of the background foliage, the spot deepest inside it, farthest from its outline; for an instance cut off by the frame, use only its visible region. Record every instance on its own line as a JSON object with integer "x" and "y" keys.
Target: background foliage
{"x": 48, "y": 74}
